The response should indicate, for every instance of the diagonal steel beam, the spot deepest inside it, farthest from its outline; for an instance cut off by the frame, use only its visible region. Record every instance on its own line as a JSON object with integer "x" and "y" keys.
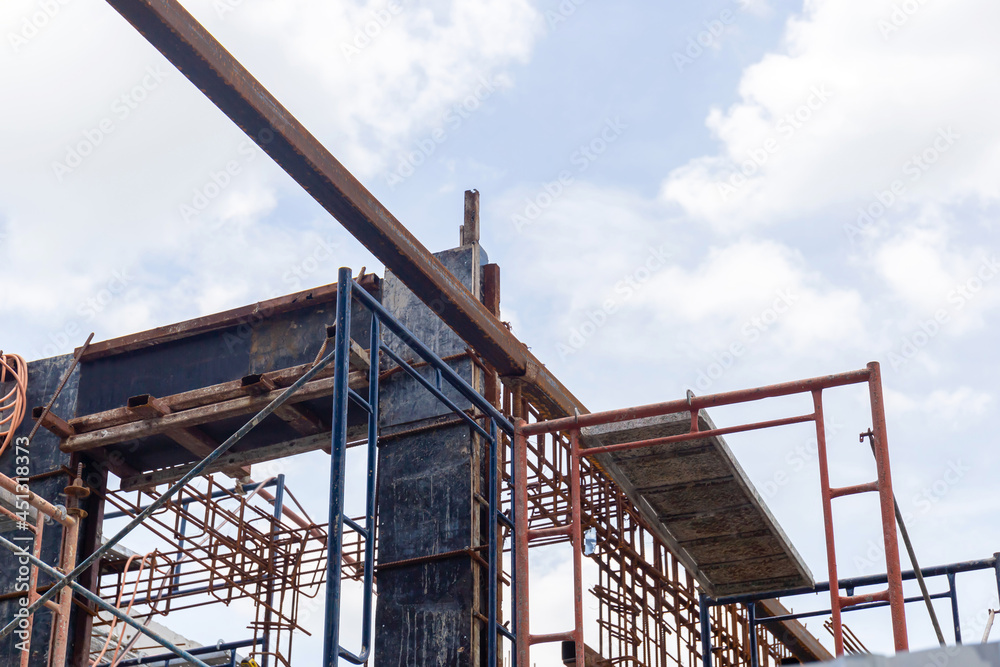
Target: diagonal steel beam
{"x": 209, "y": 66}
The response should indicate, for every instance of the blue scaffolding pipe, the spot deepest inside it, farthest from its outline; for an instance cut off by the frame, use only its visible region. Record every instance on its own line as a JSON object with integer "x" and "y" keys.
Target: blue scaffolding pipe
{"x": 857, "y": 607}
{"x": 449, "y": 374}
{"x": 949, "y": 571}
{"x": 342, "y": 394}
{"x": 415, "y": 374}
{"x": 868, "y": 580}
{"x": 338, "y": 469}
{"x": 204, "y": 650}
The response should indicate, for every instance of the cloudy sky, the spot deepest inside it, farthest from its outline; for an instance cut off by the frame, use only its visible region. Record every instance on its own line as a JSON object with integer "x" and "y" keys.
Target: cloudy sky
{"x": 708, "y": 195}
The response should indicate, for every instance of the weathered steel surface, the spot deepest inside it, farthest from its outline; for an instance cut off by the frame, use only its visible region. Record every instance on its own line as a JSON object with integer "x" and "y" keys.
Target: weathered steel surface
{"x": 324, "y": 294}
{"x": 426, "y": 488}
{"x": 704, "y": 501}
{"x": 215, "y": 351}
{"x": 207, "y": 64}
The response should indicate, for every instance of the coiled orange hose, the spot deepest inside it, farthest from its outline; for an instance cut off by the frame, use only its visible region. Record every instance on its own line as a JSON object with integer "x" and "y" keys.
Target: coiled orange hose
{"x": 13, "y": 405}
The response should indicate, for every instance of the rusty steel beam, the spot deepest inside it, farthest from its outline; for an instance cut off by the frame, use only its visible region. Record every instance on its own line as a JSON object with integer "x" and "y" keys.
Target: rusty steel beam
{"x": 210, "y": 67}
{"x": 246, "y": 315}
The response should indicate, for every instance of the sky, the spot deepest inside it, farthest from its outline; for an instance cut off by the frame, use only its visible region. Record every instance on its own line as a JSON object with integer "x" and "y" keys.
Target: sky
{"x": 705, "y": 196}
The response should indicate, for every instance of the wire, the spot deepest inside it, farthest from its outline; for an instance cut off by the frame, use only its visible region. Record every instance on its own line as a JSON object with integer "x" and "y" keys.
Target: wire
{"x": 13, "y": 405}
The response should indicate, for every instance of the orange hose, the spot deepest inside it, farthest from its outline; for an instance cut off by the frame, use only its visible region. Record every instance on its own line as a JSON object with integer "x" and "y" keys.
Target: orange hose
{"x": 14, "y": 404}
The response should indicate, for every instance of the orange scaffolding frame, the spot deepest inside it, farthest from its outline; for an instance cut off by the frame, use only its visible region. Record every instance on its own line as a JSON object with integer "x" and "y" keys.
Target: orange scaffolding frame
{"x": 871, "y": 375}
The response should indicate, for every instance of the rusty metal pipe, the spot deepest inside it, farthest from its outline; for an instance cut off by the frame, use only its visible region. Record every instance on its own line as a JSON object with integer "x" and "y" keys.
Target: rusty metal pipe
{"x": 60, "y": 643}
{"x": 839, "y": 491}
{"x": 522, "y": 644}
{"x": 553, "y": 637}
{"x": 853, "y": 600}
{"x": 831, "y": 549}
{"x": 887, "y": 505}
{"x": 699, "y": 402}
{"x": 556, "y": 531}
{"x": 697, "y": 435}
{"x": 576, "y": 498}
{"x": 36, "y": 501}
{"x": 13, "y": 517}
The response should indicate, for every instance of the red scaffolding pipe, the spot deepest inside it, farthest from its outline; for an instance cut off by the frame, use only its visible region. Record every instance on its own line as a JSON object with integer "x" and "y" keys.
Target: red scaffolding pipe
{"x": 815, "y": 386}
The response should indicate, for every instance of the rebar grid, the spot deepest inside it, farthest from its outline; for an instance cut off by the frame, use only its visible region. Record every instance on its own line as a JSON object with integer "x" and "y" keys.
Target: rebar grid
{"x": 648, "y": 612}
{"x": 216, "y": 545}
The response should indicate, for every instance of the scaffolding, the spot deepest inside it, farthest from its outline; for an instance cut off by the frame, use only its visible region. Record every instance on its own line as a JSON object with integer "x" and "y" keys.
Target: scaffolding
{"x": 689, "y": 409}
{"x": 219, "y": 545}
{"x": 541, "y": 486}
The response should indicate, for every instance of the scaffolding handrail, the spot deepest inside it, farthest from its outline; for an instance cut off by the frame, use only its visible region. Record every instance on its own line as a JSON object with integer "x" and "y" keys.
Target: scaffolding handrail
{"x": 949, "y": 570}
{"x": 693, "y": 404}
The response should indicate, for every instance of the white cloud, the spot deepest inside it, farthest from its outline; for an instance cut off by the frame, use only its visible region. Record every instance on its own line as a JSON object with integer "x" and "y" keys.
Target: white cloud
{"x": 118, "y": 162}
{"x": 842, "y": 112}
{"x": 627, "y": 271}
{"x": 946, "y": 405}
{"x": 380, "y": 72}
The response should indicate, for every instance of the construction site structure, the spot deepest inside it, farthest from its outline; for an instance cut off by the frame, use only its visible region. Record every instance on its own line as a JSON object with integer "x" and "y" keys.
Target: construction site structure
{"x": 470, "y": 451}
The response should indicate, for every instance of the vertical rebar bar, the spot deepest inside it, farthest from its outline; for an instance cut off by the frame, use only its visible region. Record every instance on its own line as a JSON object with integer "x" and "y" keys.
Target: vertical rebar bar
{"x": 279, "y": 498}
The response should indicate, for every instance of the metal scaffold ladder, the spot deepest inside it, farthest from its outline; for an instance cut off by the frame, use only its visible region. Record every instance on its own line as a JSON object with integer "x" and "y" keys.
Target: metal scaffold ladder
{"x": 342, "y": 393}
{"x": 893, "y": 593}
